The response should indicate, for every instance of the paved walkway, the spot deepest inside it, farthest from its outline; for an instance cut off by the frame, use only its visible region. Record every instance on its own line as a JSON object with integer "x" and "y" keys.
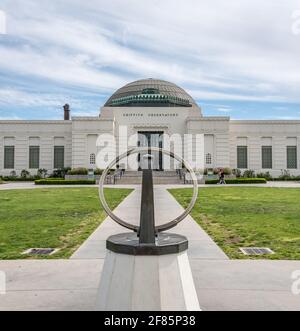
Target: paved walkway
{"x": 221, "y": 284}
{"x": 166, "y": 209}
{"x": 30, "y": 185}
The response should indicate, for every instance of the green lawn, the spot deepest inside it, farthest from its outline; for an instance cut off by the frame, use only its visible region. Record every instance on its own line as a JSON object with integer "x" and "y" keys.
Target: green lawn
{"x": 247, "y": 217}
{"x": 50, "y": 218}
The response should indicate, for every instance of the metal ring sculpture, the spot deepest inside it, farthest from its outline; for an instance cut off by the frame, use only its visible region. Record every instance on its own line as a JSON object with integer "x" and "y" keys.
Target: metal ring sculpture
{"x": 160, "y": 228}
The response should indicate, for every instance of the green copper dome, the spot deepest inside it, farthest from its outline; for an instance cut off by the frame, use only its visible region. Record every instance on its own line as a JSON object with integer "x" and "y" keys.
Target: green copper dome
{"x": 151, "y": 93}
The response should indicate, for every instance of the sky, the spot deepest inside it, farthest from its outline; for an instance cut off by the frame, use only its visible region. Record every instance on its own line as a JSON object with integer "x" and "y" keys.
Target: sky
{"x": 237, "y": 58}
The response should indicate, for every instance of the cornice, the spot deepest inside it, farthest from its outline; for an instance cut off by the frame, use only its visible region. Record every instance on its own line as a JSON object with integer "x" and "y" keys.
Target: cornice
{"x": 208, "y": 119}
{"x": 36, "y": 122}
{"x": 261, "y": 122}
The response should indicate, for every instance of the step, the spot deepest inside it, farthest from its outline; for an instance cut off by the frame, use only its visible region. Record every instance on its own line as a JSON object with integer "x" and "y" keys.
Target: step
{"x": 156, "y": 181}
{"x": 155, "y": 174}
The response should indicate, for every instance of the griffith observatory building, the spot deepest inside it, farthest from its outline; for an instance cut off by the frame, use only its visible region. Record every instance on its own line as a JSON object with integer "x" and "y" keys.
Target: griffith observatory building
{"x": 151, "y": 108}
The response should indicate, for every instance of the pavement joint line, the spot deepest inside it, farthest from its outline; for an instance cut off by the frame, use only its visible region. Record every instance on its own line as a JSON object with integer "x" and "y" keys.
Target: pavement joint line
{"x": 53, "y": 290}
{"x": 242, "y": 289}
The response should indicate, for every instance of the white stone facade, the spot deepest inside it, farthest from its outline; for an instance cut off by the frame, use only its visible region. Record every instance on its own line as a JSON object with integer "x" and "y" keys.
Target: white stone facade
{"x": 78, "y": 136}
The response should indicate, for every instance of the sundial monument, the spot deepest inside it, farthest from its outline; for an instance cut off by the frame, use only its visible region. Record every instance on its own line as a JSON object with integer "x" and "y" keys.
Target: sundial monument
{"x": 147, "y": 269}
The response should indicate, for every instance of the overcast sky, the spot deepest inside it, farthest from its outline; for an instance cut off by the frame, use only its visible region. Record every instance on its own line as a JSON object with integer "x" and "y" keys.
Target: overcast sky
{"x": 237, "y": 58}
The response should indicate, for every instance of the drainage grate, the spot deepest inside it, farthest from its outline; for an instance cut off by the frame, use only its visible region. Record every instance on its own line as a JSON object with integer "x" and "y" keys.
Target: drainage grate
{"x": 256, "y": 251}
{"x": 40, "y": 251}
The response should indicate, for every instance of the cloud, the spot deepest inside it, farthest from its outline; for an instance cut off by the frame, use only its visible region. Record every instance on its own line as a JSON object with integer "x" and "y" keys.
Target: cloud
{"x": 224, "y": 110}
{"x": 280, "y": 108}
{"x": 27, "y": 99}
{"x": 10, "y": 118}
{"x": 217, "y": 50}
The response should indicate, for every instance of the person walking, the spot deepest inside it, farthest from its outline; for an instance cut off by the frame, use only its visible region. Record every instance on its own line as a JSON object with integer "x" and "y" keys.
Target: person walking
{"x": 222, "y": 177}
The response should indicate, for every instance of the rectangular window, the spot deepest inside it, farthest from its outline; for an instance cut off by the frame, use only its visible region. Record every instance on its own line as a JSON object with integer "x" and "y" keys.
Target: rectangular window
{"x": 267, "y": 157}
{"x": 208, "y": 158}
{"x": 292, "y": 157}
{"x": 9, "y": 157}
{"x": 34, "y": 157}
{"x": 59, "y": 157}
{"x": 242, "y": 157}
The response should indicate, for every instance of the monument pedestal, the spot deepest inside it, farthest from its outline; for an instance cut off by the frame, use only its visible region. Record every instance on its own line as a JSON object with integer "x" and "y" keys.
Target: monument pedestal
{"x": 147, "y": 283}
{"x": 148, "y": 269}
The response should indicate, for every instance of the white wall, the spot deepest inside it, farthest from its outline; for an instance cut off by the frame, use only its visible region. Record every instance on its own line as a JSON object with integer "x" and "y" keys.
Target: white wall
{"x": 169, "y": 120}
{"x": 79, "y": 136}
{"x": 85, "y": 131}
{"x": 218, "y": 127}
{"x": 260, "y": 133}
{"x": 43, "y": 132}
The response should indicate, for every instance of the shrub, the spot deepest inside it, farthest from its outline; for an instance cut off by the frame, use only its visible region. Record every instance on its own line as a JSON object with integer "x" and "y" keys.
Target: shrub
{"x": 20, "y": 179}
{"x": 285, "y": 175}
{"x": 13, "y": 174}
{"x": 239, "y": 181}
{"x": 84, "y": 172}
{"x": 227, "y": 171}
{"x": 55, "y": 181}
{"x": 237, "y": 173}
{"x": 42, "y": 173}
{"x": 215, "y": 171}
{"x": 291, "y": 179}
{"x": 249, "y": 174}
{"x": 265, "y": 175}
{"x": 78, "y": 171}
{"x": 25, "y": 174}
{"x": 60, "y": 173}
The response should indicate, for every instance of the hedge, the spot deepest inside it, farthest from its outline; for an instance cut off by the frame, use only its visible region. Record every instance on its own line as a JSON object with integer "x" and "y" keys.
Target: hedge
{"x": 83, "y": 172}
{"x": 64, "y": 182}
{"x": 19, "y": 179}
{"x": 292, "y": 179}
{"x": 239, "y": 181}
{"x": 78, "y": 172}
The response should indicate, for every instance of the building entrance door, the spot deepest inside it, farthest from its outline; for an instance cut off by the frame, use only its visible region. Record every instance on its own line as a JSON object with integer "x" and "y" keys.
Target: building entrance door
{"x": 151, "y": 139}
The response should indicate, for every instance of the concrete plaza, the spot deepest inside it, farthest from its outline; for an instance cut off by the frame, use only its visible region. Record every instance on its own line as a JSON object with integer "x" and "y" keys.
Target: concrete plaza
{"x": 221, "y": 284}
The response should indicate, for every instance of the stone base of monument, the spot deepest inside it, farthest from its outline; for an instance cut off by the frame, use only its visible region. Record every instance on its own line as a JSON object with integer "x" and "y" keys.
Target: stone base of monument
{"x": 147, "y": 269}
{"x": 142, "y": 278}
